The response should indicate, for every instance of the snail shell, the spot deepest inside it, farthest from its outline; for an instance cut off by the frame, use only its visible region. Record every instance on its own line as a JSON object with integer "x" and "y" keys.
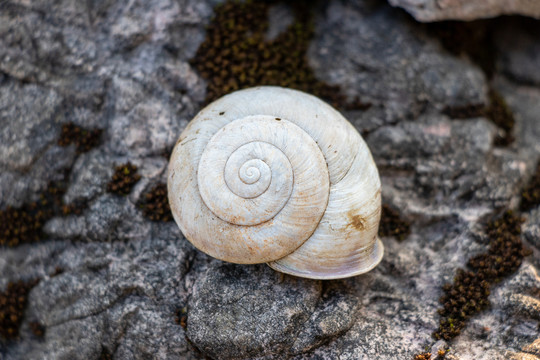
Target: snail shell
{"x": 274, "y": 175}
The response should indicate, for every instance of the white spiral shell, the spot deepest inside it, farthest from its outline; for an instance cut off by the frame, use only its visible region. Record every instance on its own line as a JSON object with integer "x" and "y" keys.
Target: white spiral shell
{"x": 275, "y": 175}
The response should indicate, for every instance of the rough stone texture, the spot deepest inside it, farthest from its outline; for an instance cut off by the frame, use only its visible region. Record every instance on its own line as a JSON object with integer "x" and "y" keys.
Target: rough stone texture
{"x": 435, "y": 10}
{"x": 389, "y": 64}
{"x": 519, "y": 47}
{"x": 113, "y": 282}
{"x": 262, "y": 312}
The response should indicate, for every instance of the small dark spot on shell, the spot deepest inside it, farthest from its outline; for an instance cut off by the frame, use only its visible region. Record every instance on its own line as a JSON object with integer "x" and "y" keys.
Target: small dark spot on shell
{"x": 278, "y": 119}
{"x": 221, "y": 113}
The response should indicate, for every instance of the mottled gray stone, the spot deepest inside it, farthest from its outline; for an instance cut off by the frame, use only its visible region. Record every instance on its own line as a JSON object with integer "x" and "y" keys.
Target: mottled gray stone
{"x": 280, "y": 17}
{"x": 28, "y": 123}
{"x": 39, "y": 49}
{"x": 524, "y": 101}
{"x": 435, "y": 10}
{"x": 91, "y": 173}
{"x": 17, "y": 187}
{"x": 520, "y": 51}
{"x": 108, "y": 218}
{"x": 459, "y": 154}
{"x": 237, "y": 312}
{"x": 334, "y": 315}
{"x": 377, "y": 55}
{"x": 531, "y": 228}
{"x": 113, "y": 296}
{"x": 148, "y": 129}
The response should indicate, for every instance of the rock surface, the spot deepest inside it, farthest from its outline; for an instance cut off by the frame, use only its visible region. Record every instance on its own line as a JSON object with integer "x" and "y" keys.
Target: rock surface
{"x": 436, "y": 10}
{"x": 113, "y": 283}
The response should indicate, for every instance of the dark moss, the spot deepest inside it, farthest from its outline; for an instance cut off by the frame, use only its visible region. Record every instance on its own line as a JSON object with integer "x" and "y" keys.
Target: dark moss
{"x": 21, "y": 225}
{"x": 392, "y": 225}
{"x": 236, "y": 55}
{"x": 123, "y": 180}
{"x": 472, "y": 39}
{"x": 105, "y": 354}
{"x": 441, "y": 353}
{"x": 57, "y": 271}
{"x": 502, "y": 116}
{"x": 155, "y": 204}
{"x": 37, "y": 329}
{"x": 469, "y": 292}
{"x": 497, "y": 111}
{"x": 530, "y": 196}
{"x": 181, "y": 317}
{"x": 423, "y": 356}
{"x": 12, "y": 305}
{"x": 84, "y": 139}
{"x": 24, "y": 224}
{"x": 75, "y": 208}
{"x": 465, "y": 112}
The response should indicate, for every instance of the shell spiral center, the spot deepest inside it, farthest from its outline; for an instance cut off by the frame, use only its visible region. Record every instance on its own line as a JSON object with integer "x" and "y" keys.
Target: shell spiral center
{"x": 250, "y": 173}
{"x": 245, "y": 174}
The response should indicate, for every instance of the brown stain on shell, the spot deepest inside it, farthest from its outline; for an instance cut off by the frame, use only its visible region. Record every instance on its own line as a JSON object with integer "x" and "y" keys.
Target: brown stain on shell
{"x": 358, "y": 222}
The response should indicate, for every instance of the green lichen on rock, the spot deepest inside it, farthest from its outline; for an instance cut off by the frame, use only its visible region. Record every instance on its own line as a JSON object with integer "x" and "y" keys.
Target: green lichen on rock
{"x": 155, "y": 204}
{"x": 237, "y": 55}
{"x": 124, "y": 178}
{"x": 530, "y": 196}
{"x": 468, "y": 294}
{"x": 12, "y": 305}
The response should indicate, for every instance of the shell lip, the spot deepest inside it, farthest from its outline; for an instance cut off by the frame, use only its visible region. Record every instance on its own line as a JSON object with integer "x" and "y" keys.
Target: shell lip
{"x": 375, "y": 257}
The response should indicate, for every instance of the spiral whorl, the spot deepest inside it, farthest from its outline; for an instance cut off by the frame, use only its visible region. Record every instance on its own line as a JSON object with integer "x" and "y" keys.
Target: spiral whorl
{"x": 250, "y": 166}
{"x": 276, "y": 175}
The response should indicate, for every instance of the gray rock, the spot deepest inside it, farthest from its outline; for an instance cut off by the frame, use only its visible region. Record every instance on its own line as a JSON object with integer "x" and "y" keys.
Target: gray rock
{"x": 110, "y": 296}
{"x": 108, "y": 218}
{"x": 91, "y": 173}
{"x": 238, "y": 312}
{"x": 334, "y": 315}
{"x": 531, "y": 228}
{"x": 28, "y": 122}
{"x": 17, "y": 187}
{"x": 377, "y": 55}
{"x": 435, "y": 10}
{"x": 148, "y": 129}
{"x": 39, "y": 49}
{"x": 525, "y": 104}
{"x": 520, "y": 51}
{"x": 280, "y": 17}
{"x": 458, "y": 153}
